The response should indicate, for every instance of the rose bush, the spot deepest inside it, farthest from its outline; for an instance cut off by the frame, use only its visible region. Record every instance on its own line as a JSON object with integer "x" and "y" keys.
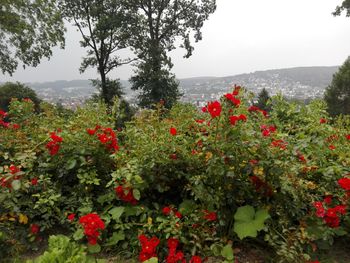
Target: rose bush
{"x": 204, "y": 178}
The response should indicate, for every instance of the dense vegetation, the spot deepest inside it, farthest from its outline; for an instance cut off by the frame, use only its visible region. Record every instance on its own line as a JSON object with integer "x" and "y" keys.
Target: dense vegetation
{"x": 177, "y": 185}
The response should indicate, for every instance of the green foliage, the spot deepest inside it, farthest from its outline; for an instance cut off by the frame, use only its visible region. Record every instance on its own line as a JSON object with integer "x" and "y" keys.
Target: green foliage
{"x": 62, "y": 250}
{"x": 248, "y": 222}
{"x": 105, "y": 30}
{"x": 17, "y": 90}
{"x": 179, "y": 173}
{"x": 345, "y": 6}
{"x": 263, "y": 100}
{"x": 337, "y": 94}
{"x": 158, "y": 25}
{"x": 227, "y": 254}
{"x": 32, "y": 28}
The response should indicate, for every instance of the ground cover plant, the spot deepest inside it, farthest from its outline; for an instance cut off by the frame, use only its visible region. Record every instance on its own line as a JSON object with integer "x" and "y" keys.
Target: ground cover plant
{"x": 178, "y": 185}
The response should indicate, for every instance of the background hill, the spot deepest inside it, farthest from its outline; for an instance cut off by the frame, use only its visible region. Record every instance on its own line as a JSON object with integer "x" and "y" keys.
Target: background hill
{"x": 298, "y": 83}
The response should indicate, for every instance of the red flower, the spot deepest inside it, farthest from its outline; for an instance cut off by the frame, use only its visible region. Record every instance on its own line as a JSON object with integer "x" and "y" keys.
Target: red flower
{"x": 71, "y": 217}
{"x": 210, "y": 216}
{"x": 34, "y": 229}
{"x": 231, "y": 97}
{"x": 3, "y": 114}
{"x": 173, "y": 243}
{"x": 15, "y": 126}
{"x": 323, "y": 120}
{"x": 92, "y": 223}
{"x": 54, "y": 145}
{"x": 148, "y": 247}
{"x": 331, "y": 147}
{"x": 173, "y": 131}
{"x": 178, "y": 214}
{"x": 347, "y": 137}
{"x": 166, "y": 210}
{"x": 55, "y": 137}
{"x": 214, "y": 108}
{"x": 173, "y": 156}
{"x": 204, "y": 109}
{"x": 344, "y": 183}
{"x": 280, "y": 144}
{"x": 34, "y": 181}
{"x": 328, "y": 199}
{"x": 125, "y": 194}
{"x": 320, "y": 211}
{"x": 91, "y": 131}
{"x": 195, "y": 259}
{"x": 14, "y": 169}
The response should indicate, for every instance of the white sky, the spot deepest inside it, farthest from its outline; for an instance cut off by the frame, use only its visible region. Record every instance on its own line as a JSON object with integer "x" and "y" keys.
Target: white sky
{"x": 240, "y": 37}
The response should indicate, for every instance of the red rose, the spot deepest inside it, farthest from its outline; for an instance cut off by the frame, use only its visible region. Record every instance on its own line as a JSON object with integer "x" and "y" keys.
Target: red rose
{"x": 166, "y": 210}
{"x": 195, "y": 259}
{"x": 214, "y": 108}
{"x": 173, "y": 131}
{"x": 34, "y": 181}
{"x": 34, "y": 229}
{"x": 344, "y": 183}
{"x": 71, "y": 217}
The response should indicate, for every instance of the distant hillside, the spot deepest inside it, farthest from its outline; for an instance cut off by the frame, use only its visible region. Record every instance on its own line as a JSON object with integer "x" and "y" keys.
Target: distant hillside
{"x": 299, "y": 82}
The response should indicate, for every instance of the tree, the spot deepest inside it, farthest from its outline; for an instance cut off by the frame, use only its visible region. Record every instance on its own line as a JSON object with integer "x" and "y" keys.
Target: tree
{"x": 28, "y": 31}
{"x": 105, "y": 26}
{"x": 263, "y": 98}
{"x": 337, "y": 95}
{"x": 344, "y": 6}
{"x": 17, "y": 90}
{"x": 160, "y": 24}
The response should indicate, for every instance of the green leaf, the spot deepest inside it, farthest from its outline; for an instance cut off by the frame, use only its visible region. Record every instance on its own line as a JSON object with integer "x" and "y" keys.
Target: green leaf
{"x": 248, "y": 223}
{"x": 16, "y": 185}
{"x": 116, "y": 212}
{"x": 136, "y": 193}
{"x": 227, "y": 252}
{"x": 115, "y": 238}
{"x": 151, "y": 260}
{"x": 93, "y": 249}
{"x": 79, "y": 234}
{"x": 71, "y": 164}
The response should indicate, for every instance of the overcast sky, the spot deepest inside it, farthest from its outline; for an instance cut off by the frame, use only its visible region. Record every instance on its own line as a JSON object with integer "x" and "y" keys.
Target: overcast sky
{"x": 242, "y": 36}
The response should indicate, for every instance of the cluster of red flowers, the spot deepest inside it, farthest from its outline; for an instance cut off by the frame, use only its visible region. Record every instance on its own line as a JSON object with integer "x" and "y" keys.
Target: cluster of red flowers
{"x": 234, "y": 118}
{"x": 210, "y": 216}
{"x": 173, "y": 255}
{"x": 148, "y": 247}
{"x": 279, "y": 144}
{"x": 257, "y": 109}
{"x": 6, "y": 182}
{"x": 5, "y": 124}
{"x": 106, "y": 136}
{"x": 92, "y": 223}
{"x": 125, "y": 194}
{"x": 267, "y": 130}
{"x": 214, "y": 108}
{"x": 330, "y": 214}
{"x": 344, "y": 183}
{"x": 54, "y": 145}
{"x": 167, "y": 210}
{"x": 232, "y": 96}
